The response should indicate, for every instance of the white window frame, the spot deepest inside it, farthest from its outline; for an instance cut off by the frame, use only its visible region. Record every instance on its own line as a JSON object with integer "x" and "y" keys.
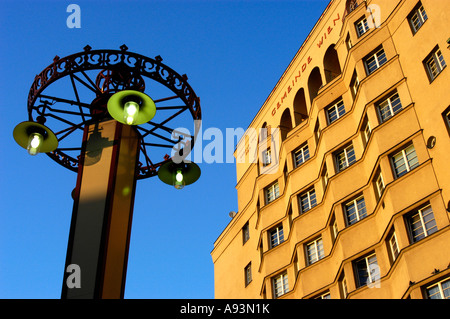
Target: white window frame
{"x": 366, "y": 131}
{"x": 358, "y": 210}
{"x": 354, "y": 84}
{"x": 272, "y": 192}
{"x": 314, "y": 251}
{"x": 440, "y": 289}
{"x": 422, "y": 213}
{"x": 419, "y": 15}
{"x": 338, "y": 109}
{"x": 301, "y": 155}
{"x": 435, "y": 63}
{"x": 280, "y": 284}
{"x": 377, "y": 57}
{"x": 393, "y": 246}
{"x": 343, "y": 159}
{"x": 311, "y": 200}
{"x": 402, "y": 158}
{"x": 267, "y": 157}
{"x": 362, "y": 26}
{"x": 245, "y": 233}
{"x": 344, "y": 288}
{"x": 371, "y": 267}
{"x": 389, "y": 107}
{"x": 379, "y": 184}
{"x": 276, "y": 236}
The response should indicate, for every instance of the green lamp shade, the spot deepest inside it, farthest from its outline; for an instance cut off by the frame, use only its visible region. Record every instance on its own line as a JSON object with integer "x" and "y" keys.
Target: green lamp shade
{"x": 143, "y": 107}
{"x": 168, "y": 172}
{"x": 25, "y": 131}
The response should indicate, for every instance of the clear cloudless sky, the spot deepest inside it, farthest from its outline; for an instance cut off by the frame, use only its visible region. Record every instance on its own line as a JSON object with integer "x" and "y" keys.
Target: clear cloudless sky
{"x": 233, "y": 51}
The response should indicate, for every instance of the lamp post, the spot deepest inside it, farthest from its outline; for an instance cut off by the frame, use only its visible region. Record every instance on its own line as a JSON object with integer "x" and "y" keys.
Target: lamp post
{"x": 102, "y": 98}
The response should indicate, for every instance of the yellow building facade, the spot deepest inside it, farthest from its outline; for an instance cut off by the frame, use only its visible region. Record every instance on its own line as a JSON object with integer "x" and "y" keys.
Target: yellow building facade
{"x": 344, "y": 185}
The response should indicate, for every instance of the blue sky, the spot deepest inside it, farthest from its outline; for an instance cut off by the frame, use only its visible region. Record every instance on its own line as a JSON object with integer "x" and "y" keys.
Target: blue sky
{"x": 233, "y": 51}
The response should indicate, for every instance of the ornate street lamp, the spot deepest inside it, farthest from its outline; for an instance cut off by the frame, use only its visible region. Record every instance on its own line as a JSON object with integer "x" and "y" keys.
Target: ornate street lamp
{"x": 101, "y": 99}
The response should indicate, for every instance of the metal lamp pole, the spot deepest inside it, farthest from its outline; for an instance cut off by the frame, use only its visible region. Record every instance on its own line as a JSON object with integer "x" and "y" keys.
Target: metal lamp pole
{"x": 114, "y": 117}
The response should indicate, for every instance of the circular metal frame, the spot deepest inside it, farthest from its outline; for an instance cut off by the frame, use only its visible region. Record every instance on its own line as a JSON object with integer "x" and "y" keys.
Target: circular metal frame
{"x": 118, "y": 70}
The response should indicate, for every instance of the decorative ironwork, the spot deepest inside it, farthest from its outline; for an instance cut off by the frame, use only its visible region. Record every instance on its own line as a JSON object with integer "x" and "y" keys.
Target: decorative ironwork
{"x": 118, "y": 70}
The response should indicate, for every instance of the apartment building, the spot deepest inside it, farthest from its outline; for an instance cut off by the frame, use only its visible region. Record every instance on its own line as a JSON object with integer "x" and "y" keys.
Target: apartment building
{"x": 349, "y": 192}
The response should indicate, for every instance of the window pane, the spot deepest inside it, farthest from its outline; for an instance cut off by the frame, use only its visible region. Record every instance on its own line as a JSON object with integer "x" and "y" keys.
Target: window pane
{"x": 350, "y": 155}
{"x": 417, "y": 227}
{"x": 361, "y": 206}
{"x": 446, "y": 289}
{"x": 429, "y": 221}
{"x": 434, "y": 293}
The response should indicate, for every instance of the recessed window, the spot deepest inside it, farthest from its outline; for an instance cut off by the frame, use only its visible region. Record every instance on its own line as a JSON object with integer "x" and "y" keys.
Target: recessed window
{"x": 367, "y": 270}
{"x": 245, "y": 233}
{"x": 307, "y": 200}
{"x": 393, "y": 245}
{"x": 276, "y": 235}
{"x": 421, "y": 223}
{"x": 267, "y": 157}
{"x": 325, "y": 295}
{"x": 417, "y": 17}
{"x": 334, "y": 228}
{"x": 314, "y": 251}
{"x": 324, "y": 176}
{"x": 354, "y": 84}
{"x": 301, "y": 155}
{"x": 365, "y": 131}
{"x": 378, "y": 184}
{"x": 345, "y": 158}
{"x": 404, "y": 161}
{"x": 434, "y": 63}
{"x": 335, "y": 111}
{"x": 248, "y": 274}
{"x": 375, "y": 60}
{"x": 440, "y": 290}
{"x": 361, "y": 26}
{"x": 272, "y": 192}
{"x": 280, "y": 284}
{"x": 355, "y": 210}
{"x": 348, "y": 42}
{"x": 389, "y": 106}
{"x": 343, "y": 286}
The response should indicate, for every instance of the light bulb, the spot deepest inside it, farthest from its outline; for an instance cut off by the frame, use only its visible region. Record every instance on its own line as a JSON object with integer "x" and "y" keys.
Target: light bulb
{"x": 179, "y": 180}
{"x": 34, "y": 143}
{"x": 130, "y": 112}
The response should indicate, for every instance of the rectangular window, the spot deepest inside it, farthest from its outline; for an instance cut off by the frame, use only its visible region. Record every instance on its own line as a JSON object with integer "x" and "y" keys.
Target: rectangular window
{"x": 314, "y": 251}
{"x": 272, "y": 192}
{"x": 307, "y": 200}
{"x": 280, "y": 284}
{"x": 434, "y": 63}
{"x": 367, "y": 270}
{"x": 345, "y": 158}
{"x": 325, "y": 295}
{"x": 365, "y": 131}
{"x": 267, "y": 157}
{"x": 248, "y": 274}
{"x": 440, "y": 290}
{"x": 301, "y": 155}
{"x": 348, "y": 42}
{"x": 361, "y": 26}
{"x": 389, "y": 107}
{"x": 335, "y": 111}
{"x": 417, "y": 17}
{"x": 354, "y": 84}
{"x": 421, "y": 223}
{"x": 245, "y": 233}
{"x": 334, "y": 229}
{"x": 374, "y": 60}
{"x": 276, "y": 236}
{"x": 404, "y": 161}
{"x": 378, "y": 185}
{"x": 393, "y": 245}
{"x": 355, "y": 210}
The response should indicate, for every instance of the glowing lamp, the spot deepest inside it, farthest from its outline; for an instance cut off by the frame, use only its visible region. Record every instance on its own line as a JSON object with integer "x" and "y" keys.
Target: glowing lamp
{"x": 180, "y": 174}
{"x": 35, "y": 137}
{"x": 131, "y": 107}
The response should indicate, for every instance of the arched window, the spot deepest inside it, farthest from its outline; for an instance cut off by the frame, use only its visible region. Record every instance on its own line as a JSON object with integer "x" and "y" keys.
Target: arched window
{"x": 285, "y": 123}
{"x": 314, "y": 83}
{"x": 331, "y": 65}
{"x": 300, "y": 110}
